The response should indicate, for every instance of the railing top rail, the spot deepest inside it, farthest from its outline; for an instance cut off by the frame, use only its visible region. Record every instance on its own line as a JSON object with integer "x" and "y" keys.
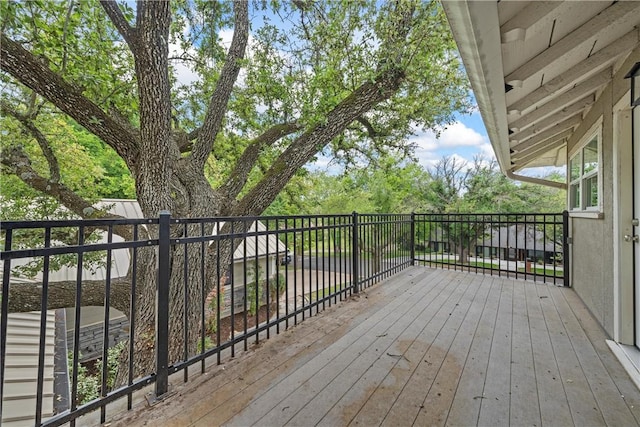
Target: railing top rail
{"x": 491, "y": 214}
{"x": 23, "y": 224}
{"x": 102, "y": 222}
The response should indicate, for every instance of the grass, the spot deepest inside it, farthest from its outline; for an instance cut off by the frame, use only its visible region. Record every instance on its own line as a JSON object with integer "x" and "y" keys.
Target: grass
{"x": 478, "y": 264}
{"x": 543, "y": 271}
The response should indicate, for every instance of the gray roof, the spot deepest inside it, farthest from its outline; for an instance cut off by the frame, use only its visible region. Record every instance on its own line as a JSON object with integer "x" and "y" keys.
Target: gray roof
{"x": 520, "y": 236}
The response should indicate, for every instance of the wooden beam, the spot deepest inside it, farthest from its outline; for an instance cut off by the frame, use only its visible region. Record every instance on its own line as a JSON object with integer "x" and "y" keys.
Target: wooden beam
{"x": 536, "y": 13}
{"x": 601, "y": 58}
{"x": 583, "y": 34}
{"x": 579, "y": 91}
{"x": 565, "y": 113}
{"x": 544, "y": 146}
{"x": 538, "y": 152}
{"x": 554, "y": 132}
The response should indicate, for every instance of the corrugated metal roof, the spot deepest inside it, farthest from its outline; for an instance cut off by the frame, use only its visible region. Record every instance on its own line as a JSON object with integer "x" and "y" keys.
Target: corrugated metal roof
{"x": 21, "y": 369}
{"x": 123, "y": 207}
{"x": 258, "y": 245}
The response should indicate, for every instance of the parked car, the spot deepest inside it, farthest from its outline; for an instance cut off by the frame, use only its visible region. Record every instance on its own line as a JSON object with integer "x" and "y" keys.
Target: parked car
{"x": 286, "y": 258}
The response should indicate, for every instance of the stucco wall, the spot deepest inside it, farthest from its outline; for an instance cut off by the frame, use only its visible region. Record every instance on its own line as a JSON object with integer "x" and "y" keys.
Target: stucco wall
{"x": 592, "y": 254}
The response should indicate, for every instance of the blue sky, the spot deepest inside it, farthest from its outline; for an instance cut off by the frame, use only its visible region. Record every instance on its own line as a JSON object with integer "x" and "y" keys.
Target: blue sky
{"x": 463, "y": 140}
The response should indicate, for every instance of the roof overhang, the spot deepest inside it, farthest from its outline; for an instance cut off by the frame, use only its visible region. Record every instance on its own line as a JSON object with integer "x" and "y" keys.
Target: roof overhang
{"x": 537, "y": 67}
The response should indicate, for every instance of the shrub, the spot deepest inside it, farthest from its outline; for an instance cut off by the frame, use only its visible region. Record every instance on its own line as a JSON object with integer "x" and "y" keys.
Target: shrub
{"x": 89, "y": 384}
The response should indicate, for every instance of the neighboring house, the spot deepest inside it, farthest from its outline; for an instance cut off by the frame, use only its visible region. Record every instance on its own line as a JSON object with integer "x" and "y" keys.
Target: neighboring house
{"x": 433, "y": 238}
{"x": 549, "y": 78}
{"x": 439, "y": 246}
{"x": 518, "y": 243}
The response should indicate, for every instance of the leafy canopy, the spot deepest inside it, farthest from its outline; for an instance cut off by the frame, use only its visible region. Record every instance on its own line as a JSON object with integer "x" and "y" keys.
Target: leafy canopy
{"x": 303, "y": 59}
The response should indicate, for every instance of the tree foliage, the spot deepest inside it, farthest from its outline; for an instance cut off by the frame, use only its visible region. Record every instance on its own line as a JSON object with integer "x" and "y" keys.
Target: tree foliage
{"x": 212, "y": 107}
{"x": 395, "y": 185}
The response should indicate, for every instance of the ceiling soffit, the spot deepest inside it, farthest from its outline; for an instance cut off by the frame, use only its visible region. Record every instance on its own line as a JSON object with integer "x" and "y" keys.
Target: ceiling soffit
{"x": 538, "y": 67}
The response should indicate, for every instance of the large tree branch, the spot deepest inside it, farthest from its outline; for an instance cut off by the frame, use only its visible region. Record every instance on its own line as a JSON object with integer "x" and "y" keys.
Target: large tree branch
{"x": 238, "y": 177}
{"x": 308, "y": 144}
{"x": 373, "y": 134}
{"x": 220, "y": 98}
{"x": 43, "y": 142}
{"x": 31, "y": 72}
{"x": 28, "y": 296}
{"x": 128, "y": 33}
{"x": 19, "y": 163}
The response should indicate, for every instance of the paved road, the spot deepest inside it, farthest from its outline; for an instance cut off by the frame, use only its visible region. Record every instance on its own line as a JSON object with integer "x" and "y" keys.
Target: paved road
{"x": 332, "y": 263}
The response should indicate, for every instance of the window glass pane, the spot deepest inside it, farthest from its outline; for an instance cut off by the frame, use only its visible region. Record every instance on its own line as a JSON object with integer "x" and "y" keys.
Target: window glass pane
{"x": 574, "y": 168}
{"x": 591, "y": 156}
{"x": 574, "y": 196}
{"x": 591, "y": 191}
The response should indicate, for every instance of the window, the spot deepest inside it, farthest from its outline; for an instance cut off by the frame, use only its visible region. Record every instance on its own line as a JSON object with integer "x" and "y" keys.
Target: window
{"x": 584, "y": 167}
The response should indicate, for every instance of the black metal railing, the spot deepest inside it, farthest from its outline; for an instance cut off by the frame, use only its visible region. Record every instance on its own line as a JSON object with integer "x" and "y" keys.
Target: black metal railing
{"x": 218, "y": 283}
{"x": 229, "y": 280}
{"x": 526, "y": 246}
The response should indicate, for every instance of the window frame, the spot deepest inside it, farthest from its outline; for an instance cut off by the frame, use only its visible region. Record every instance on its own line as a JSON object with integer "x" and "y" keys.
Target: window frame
{"x": 577, "y": 153}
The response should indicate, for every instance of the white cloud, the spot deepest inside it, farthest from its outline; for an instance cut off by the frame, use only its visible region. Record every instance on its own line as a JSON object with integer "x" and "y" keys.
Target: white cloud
{"x": 486, "y": 150}
{"x": 324, "y": 163}
{"x": 184, "y": 74}
{"x": 457, "y": 141}
{"x": 183, "y": 69}
{"x": 226, "y": 36}
{"x": 455, "y": 135}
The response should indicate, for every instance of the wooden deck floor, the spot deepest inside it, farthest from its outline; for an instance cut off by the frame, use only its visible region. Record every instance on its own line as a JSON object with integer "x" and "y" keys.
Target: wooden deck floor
{"x": 426, "y": 347}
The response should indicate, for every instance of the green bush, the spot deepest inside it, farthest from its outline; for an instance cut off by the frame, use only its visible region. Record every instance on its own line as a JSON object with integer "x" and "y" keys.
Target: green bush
{"x": 89, "y": 385}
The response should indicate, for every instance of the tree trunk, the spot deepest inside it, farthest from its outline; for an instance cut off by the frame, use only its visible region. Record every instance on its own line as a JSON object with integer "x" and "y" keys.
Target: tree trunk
{"x": 463, "y": 254}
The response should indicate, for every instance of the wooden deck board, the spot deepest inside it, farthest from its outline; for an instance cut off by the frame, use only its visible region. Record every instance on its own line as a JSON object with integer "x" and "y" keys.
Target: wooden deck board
{"x": 524, "y": 409}
{"x": 321, "y": 398}
{"x": 469, "y": 394}
{"x": 615, "y": 370}
{"x": 552, "y": 399}
{"x": 395, "y": 357}
{"x": 495, "y": 405}
{"x": 426, "y": 347}
{"x": 305, "y": 382}
{"x": 611, "y": 404}
{"x": 427, "y": 355}
{"x": 438, "y": 400}
{"x": 583, "y": 406}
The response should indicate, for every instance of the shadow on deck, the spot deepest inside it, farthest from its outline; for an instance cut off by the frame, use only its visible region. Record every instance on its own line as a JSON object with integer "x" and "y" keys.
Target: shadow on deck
{"x": 425, "y": 347}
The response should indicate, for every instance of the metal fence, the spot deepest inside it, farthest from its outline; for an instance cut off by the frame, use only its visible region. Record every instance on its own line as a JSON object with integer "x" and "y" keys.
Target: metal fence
{"x": 217, "y": 284}
{"x": 526, "y": 246}
{"x": 276, "y": 272}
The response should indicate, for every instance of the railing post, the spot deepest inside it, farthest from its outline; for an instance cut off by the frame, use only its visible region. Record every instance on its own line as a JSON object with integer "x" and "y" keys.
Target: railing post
{"x": 4, "y": 313}
{"x": 162, "y": 306}
{"x": 565, "y": 247}
{"x": 355, "y": 270}
{"x": 413, "y": 238}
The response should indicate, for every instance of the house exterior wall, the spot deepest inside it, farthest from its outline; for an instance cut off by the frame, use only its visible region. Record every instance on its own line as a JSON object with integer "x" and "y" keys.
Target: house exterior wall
{"x": 239, "y": 282}
{"x": 592, "y": 254}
